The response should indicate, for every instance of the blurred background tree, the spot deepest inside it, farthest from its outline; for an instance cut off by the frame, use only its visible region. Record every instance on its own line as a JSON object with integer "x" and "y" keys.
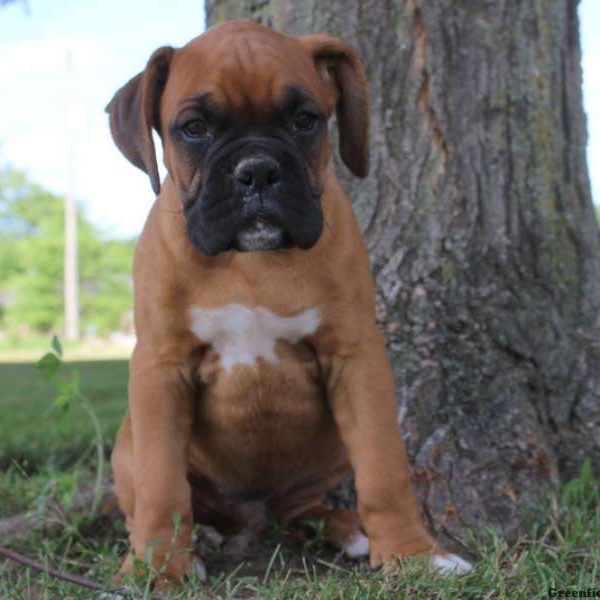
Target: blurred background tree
{"x": 31, "y": 264}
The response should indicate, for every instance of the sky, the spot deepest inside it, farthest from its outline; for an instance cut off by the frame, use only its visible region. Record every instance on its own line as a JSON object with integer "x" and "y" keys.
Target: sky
{"x": 62, "y": 60}
{"x": 47, "y": 108}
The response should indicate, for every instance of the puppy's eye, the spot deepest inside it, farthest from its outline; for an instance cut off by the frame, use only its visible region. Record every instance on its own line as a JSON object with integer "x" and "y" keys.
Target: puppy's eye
{"x": 195, "y": 128}
{"x": 304, "y": 121}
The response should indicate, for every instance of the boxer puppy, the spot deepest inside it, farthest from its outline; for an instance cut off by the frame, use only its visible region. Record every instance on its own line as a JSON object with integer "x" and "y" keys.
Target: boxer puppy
{"x": 259, "y": 379}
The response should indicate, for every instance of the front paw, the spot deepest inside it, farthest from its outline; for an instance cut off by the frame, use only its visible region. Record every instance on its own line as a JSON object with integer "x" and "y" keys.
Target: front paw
{"x": 176, "y": 571}
{"x": 165, "y": 573}
{"x": 390, "y": 557}
{"x": 386, "y": 550}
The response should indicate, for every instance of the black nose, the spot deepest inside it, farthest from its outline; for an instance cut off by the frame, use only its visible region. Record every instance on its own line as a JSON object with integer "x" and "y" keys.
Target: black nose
{"x": 257, "y": 173}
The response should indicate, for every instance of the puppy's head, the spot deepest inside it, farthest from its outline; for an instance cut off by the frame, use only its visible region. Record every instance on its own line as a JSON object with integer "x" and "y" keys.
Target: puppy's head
{"x": 242, "y": 112}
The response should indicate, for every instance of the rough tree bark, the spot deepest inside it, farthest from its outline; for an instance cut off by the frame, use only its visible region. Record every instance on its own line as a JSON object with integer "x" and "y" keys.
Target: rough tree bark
{"x": 483, "y": 239}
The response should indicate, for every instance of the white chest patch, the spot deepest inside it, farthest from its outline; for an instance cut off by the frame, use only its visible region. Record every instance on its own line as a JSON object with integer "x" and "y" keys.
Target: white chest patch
{"x": 240, "y": 335}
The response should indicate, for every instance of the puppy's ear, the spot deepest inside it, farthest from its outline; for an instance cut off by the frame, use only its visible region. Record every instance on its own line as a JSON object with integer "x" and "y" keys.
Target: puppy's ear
{"x": 339, "y": 64}
{"x": 134, "y": 111}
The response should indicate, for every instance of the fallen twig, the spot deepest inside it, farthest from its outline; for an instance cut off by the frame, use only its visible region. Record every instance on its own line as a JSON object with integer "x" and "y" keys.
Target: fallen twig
{"x": 20, "y": 525}
{"x": 34, "y": 564}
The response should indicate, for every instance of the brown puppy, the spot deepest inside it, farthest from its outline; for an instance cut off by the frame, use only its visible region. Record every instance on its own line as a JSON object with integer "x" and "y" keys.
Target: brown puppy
{"x": 259, "y": 379}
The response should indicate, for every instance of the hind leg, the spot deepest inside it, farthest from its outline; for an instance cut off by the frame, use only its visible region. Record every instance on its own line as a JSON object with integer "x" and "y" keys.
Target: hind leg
{"x": 342, "y": 529}
{"x": 122, "y": 466}
{"x": 342, "y": 526}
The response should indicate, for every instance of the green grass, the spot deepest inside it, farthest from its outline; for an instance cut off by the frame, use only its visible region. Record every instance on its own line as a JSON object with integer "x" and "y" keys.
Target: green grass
{"x": 30, "y": 429}
{"x": 40, "y": 445}
{"x": 51, "y": 456}
{"x": 561, "y": 551}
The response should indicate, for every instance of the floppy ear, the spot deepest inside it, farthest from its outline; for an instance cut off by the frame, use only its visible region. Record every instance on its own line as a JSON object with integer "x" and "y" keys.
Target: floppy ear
{"x": 134, "y": 111}
{"x": 338, "y": 62}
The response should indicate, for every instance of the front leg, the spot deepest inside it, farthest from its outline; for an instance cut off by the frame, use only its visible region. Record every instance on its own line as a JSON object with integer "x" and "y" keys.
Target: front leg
{"x": 161, "y": 409}
{"x": 361, "y": 394}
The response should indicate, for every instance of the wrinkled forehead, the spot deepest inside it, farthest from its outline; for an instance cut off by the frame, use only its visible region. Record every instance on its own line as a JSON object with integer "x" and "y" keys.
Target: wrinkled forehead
{"x": 245, "y": 72}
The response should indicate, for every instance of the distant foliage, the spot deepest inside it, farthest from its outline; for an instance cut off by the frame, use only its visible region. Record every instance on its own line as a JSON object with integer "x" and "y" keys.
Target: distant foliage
{"x": 31, "y": 263}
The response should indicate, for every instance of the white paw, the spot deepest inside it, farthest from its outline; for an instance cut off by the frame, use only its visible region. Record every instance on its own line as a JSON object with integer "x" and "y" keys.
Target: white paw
{"x": 357, "y": 546}
{"x": 450, "y": 563}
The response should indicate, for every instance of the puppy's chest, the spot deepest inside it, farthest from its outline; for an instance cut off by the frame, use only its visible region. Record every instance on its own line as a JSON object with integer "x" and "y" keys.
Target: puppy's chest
{"x": 242, "y": 338}
{"x": 259, "y": 382}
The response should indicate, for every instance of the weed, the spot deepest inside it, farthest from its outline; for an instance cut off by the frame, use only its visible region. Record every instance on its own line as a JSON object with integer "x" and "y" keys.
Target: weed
{"x": 68, "y": 393}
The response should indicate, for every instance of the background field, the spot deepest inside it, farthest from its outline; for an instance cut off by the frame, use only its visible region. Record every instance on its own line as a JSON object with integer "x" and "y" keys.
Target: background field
{"x": 37, "y": 441}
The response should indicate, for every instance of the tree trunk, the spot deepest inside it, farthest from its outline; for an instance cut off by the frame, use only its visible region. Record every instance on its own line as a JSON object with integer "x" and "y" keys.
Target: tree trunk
{"x": 483, "y": 239}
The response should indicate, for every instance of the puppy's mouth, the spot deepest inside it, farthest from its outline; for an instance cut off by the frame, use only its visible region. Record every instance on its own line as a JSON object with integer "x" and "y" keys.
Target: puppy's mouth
{"x": 260, "y": 234}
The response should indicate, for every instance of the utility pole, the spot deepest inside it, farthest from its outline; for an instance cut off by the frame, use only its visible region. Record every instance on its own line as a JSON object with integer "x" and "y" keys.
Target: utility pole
{"x": 71, "y": 284}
